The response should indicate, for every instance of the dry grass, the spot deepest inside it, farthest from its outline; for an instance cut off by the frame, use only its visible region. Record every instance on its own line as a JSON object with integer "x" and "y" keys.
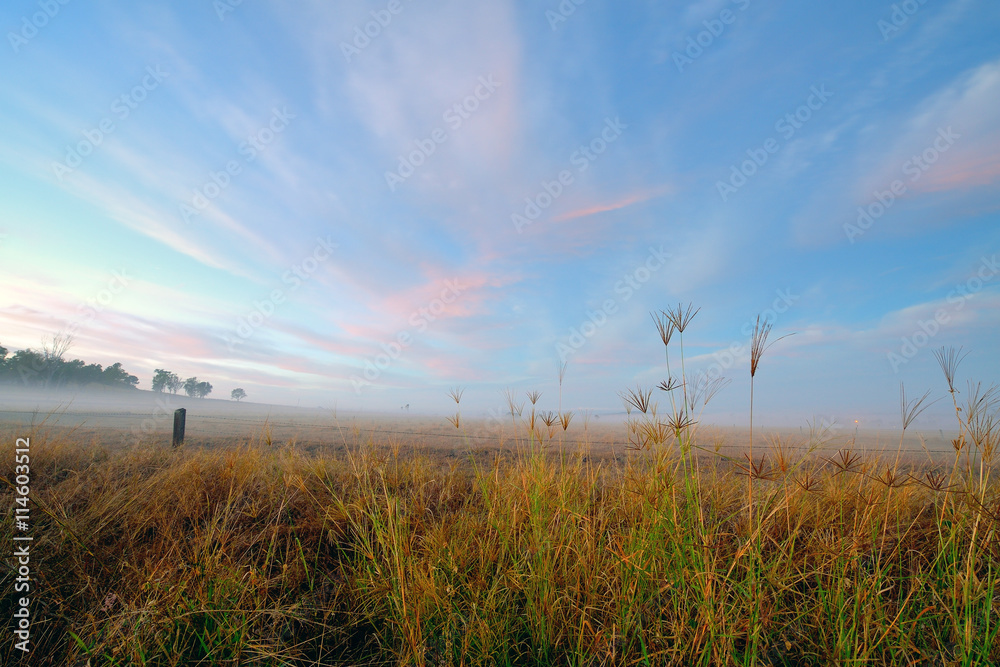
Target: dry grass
{"x": 267, "y": 555}
{"x": 669, "y": 554}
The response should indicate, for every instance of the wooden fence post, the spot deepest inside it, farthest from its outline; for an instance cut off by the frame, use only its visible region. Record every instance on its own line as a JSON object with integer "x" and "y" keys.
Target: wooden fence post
{"x": 180, "y": 416}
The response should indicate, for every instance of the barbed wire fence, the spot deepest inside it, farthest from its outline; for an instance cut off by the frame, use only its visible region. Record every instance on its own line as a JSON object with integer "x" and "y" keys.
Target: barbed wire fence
{"x": 336, "y": 428}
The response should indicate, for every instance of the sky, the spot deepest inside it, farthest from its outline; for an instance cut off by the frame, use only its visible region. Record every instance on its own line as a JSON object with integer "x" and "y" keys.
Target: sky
{"x": 367, "y": 204}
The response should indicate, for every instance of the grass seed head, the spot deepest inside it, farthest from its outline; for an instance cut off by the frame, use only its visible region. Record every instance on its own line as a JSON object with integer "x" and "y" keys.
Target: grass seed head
{"x": 681, "y": 318}
{"x": 664, "y": 325}
{"x": 949, "y": 358}
{"x": 456, "y": 394}
{"x": 638, "y": 398}
{"x": 565, "y": 419}
{"x": 845, "y": 461}
{"x": 704, "y": 389}
{"x": 910, "y": 411}
{"x": 680, "y": 420}
{"x": 669, "y": 384}
{"x": 982, "y": 415}
{"x": 515, "y": 408}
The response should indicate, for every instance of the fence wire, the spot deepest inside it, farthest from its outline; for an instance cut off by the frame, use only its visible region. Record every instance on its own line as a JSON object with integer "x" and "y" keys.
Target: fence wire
{"x": 452, "y": 435}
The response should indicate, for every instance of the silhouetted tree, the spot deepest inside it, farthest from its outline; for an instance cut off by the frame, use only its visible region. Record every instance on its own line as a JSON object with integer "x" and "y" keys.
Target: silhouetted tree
{"x": 26, "y": 366}
{"x": 197, "y": 389}
{"x": 165, "y": 380}
{"x": 116, "y": 375}
{"x": 48, "y": 368}
{"x": 159, "y": 380}
{"x": 237, "y": 394}
{"x": 78, "y": 372}
{"x": 53, "y": 351}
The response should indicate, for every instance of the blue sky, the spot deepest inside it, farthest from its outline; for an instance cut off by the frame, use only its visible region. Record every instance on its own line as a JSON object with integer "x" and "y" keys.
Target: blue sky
{"x": 264, "y": 196}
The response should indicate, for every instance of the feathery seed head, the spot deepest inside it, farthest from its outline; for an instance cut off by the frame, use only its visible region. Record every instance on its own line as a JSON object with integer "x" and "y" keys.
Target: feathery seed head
{"x": 909, "y": 411}
{"x": 949, "y": 358}
{"x": 758, "y": 343}
{"x": 664, "y": 325}
{"x": 681, "y": 318}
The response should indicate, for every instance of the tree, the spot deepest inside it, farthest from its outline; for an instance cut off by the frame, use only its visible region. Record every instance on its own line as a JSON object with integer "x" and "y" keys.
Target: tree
{"x": 159, "y": 382}
{"x": 238, "y": 394}
{"x": 117, "y": 376}
{"x": 165, "y": 380}
{"x": 191, "y": 386}
{"x": 203, "y": 389}
{"x": 81, "y": 373}
{"x": 53, "y": 351}
{"x": 26, "y": 366}
{"x": 48, "y": 368}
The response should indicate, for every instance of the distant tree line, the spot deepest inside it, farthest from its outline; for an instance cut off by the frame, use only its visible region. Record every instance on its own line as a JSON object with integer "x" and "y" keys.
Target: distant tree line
{"x": 164, "y": 380}
{"x": 47, "y": 368}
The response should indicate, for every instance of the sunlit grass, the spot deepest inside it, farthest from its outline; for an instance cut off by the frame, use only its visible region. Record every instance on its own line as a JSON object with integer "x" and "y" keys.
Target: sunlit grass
{"x": 675, "y": 554}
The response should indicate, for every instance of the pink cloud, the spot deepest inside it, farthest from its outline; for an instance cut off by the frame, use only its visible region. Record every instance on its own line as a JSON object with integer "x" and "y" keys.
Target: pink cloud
{"x": 441, "y": 297}
{"x": 326, "y": 343}
{"x": 453, "y": 368}
{"x": 625, "y": 202}
{"x": 968, "y": 171}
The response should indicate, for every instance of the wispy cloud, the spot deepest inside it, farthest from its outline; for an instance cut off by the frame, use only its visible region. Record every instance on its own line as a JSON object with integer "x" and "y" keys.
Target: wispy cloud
{"x": 624, "y": 202}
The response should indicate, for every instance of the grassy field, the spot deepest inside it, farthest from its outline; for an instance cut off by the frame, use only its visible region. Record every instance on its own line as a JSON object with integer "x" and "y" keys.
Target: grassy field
{"x": 666, "y": 549}
{"x": 264, "y": 554}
